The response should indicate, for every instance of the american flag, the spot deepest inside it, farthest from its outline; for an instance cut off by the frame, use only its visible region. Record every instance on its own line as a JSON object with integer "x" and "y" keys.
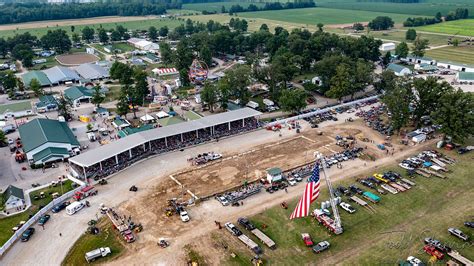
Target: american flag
{"x": 311, "y": 193}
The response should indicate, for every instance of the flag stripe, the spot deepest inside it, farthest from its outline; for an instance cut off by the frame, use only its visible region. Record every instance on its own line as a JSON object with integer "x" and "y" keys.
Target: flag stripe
{"x": 310, "y": 194}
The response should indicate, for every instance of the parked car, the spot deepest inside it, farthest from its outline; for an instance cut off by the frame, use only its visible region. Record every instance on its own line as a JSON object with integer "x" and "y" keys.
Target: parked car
{"x": 347, "y": 207}
{"x": 233, "y": 229}
{"x": 413, "y": 261}
{"x": 321, "y": 246}
{"x": 292, "y": 182}
{"x": 27, "y": 234}
{"x": 469, "y": 224}
{"x": 307, "y": 239}
{"x": 246, "y": 223}
{"x": 59, "y": 207}
{"x": 184, "y": 216}
{"x": 458, "y": 233}
{"x": 223, "y": 201}
{"x": 44, "y": 219}
{"x": 437, "y": 244}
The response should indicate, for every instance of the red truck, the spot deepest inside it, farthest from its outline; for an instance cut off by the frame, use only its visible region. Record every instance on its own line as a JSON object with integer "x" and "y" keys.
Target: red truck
{"x": 307, "y": 239}
{"x": 433, "y": 252}
{"x": 85, "y": 192}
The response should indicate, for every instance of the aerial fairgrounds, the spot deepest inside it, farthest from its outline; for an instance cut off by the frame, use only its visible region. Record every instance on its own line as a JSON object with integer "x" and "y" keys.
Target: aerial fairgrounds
{"x": 160, "y": 181}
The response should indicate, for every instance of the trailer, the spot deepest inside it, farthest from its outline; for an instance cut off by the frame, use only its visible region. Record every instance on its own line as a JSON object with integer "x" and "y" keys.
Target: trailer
{"x": 409, "y": 182}
{"x": 435, "y": 173}
{"x": 371, "y": 196}
{"x": 358, "y": 201}
{"x": 403, "y": 185}
{"x": 461, "y": 259}
{"x": 264, "y": 238}
{"x": 389, "y": 188}
{"x": 122, "y": 225}
{"x": 423, "y": 172}
{"x": 438, "y": 162}
{"x": 250, "y": 244}
{"x": 398, "y": 187}
{"x": 438, "y": 168}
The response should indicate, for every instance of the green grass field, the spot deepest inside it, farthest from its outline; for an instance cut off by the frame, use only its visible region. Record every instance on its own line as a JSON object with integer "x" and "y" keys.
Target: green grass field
{"x": 107, "y": 237}
{"x": 217, "y": 6}
{"x": 464, "y": 54}
{"x": 399, "y": 36}
{"x": 457, "y": 27}
{"x": 131, "y": 25}
{"x": 321, "y": 15}
{"x": 393, "y": 233}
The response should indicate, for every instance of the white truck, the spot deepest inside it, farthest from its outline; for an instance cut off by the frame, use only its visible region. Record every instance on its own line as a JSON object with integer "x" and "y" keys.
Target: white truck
{"x": 97, "y": 253}
{"x": 74, "y": 207}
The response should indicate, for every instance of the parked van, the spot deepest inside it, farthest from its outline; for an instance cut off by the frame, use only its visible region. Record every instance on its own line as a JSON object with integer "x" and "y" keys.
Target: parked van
{"x": 74, "y": 207}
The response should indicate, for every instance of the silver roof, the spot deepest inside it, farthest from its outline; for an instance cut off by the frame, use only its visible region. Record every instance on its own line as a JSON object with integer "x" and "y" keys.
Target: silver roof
{"x": 60, "y": 74}
{"x": 107, "y": 151}
{"x": 92, "y": 71}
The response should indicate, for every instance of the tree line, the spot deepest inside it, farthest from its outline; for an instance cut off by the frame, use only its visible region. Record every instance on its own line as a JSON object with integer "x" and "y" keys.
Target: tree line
{"x": 268, "y": 6}
{"x": 459, "y": 13}
{"x": 25, "y": 12}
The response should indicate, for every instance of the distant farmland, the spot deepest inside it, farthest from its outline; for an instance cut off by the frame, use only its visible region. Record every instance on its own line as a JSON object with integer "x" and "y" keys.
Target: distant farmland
{"x": 457, "y": 27}
{"x": 217, "y": 6}
{"x": 321, "y": 15}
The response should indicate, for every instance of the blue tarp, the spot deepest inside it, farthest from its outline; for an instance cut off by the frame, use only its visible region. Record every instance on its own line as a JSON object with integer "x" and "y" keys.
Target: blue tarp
{"x": 427, "y": 164}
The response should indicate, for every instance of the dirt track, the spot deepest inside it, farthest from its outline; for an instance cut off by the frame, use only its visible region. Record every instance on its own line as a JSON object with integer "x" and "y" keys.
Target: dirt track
{"x": 70, "y": 22}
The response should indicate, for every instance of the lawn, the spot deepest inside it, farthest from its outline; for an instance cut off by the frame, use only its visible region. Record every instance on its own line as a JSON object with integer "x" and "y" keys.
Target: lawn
{"x": 457, "y": 27}
{"x": 124, "y": 47}
{"x": 312, "y": 16}
{"x": 460, "y": 54}
{"x": 7, "y": 223}
{"x": 107, "y": 237}
{"x": 393, "y": 233}
{"x": 217, "y": 6}
{"x": 130, "y": 25}
{"x": 399, "y": 36}
{"x": 113, "y": 94}
{"x": 50, "y": 62}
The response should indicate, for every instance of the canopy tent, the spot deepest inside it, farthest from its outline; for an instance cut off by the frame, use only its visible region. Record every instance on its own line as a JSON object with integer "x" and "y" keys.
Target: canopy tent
{"x": 162, "y": 114}
{"x": 165, "y": 71}
{"x": 147, "y": 118}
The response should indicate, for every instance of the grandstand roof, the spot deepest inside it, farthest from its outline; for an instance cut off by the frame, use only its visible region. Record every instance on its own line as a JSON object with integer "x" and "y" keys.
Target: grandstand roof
{"x": 107, "y": 151}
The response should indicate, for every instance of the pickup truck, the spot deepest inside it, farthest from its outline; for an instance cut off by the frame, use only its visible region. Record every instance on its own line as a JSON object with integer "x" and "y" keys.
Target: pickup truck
{"x": 246, "y": 223}
{"x": 458, "y": 233}
{"x": 233, "y": 229}
{"x": 307, "y": 239}
{"x": 97, "y": 253}
{"x": 321, "y": 246}
{"x": 347, "y": 207}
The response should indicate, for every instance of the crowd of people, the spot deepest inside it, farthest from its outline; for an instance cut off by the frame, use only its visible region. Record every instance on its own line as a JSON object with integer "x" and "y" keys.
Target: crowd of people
{"x": 163, "y": 145}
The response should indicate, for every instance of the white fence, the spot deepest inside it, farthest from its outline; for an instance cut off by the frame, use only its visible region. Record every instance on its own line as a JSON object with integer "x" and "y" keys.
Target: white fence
{"x": 320, "y": 111}
{"x": 35, "y": 217}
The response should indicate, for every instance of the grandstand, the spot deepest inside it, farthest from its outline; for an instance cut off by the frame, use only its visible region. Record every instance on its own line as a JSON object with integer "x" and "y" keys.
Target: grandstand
{"x": 122, "y": 153}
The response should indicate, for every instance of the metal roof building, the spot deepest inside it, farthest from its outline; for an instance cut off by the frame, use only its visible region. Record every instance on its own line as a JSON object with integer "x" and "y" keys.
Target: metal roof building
{"x": 122, "y": 145}
{"x": 60, "y": 74}
{"x": 38, "y": 75}
{"x": 92, "y": 71}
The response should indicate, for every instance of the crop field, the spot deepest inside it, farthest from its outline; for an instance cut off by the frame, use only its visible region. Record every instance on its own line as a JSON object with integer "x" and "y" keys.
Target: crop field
{"x": 399, "y": 36}
{"x": 394, "y": 232}
{"x": 460, "y": 54}
{"x": 457, "y": 27}
{"x": 217, "y": 6}
{"x": 312, "y": 16}
{"x": 40, "y": 28}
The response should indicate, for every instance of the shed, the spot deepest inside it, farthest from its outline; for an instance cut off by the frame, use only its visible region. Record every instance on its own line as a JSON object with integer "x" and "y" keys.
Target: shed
{"x": 399, "y": 70}
{"x": 274, "y": 175}
{"x": 46, "y": 103}
{"x": 389, "y": 46}
{"x": 102, "y": 112}
{"x": 426, "y": 67}
{"x": 419, "y": 138}
{"x": 252, "y": 105}
{"x": 13, "y": 199}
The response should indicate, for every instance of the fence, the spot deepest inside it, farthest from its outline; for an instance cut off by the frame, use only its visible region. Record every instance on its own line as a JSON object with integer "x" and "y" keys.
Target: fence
{"x": 35, "y": 217}
{"x": 321, "y": 111}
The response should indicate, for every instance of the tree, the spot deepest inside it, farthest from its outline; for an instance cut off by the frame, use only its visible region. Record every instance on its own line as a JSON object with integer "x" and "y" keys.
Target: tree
{"x": 103, "y": 37}
{"x": 209, "y": 95}
{"x": 166, "y": 53}
{"x": 439, "y": 17}
{"x": 97, "y": 96}
{"x": 340, "y": 83}
{"x": 73, "y": 28}
{"x": 152, "y": 33}
{"x": 264, "y": 27}
{"x": 64, "y": 107}
{"x": 122, "y": 72}
{"x": 239, "y": 79}
{"x": 224, "y": 90}
{"x": 115, "y": 36}
{"x": 205, "y": 54}
{"x": 223, "y": 9}
{"x": 35, "y": 86}
{"x": 386, "y": 81}
{"x": 358, "y": 26}
{"x": 410, "y": 35}
{"x": 75, "y": 38}
{"x": 455, "y": 42}
{"x": 362, "y": 77}
{"x": 386, "y": 59}
{"x": 57, "y": 40}
{"x": 293, "y": 100}
{"x": 140, "y": 91}
{"x": 419, "y": 47}
{"x": 397, "y": 100}
{"x": 428, "y": 97}
{"x": 164, "y": 31}
{"x": 402, "y": 50}
{"x": 8, "y": 81}
{"x": 3, "y": 138}
{"x": 455, "y": 115}
{"x": 24, "y": 53}
{"x": 123, "y": 104}
{"x": 381, "y": 23}
{"x": 320, "y": 26}
{"x": 87, "y": 34}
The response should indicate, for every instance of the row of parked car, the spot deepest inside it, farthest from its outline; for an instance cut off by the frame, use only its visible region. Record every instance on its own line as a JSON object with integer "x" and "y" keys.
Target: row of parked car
{"x": 373, "y": 120}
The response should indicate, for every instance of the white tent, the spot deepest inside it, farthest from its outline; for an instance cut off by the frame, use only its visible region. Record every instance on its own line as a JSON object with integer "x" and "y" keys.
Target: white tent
{"x": 161, "y": 114}
{"x": 147, "y": 118}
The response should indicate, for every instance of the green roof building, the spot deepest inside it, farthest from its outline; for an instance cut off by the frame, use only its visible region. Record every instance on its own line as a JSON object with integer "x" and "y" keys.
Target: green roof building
{"x": 13, "y": 199}
{"x": 399, "y": 70}
{"x": 274, "y": 175}
{"x": 465, "y": 77}
{"x": 18, "y": 109}
{"x": 78, "y": 94}
{"x": 47, "y": 140}
{"x": 132, "y": 130}
{"x": 39, "y": 75}
{"x": 46, "y": 103}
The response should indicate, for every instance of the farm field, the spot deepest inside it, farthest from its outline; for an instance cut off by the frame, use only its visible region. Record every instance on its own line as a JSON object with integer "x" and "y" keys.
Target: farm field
{"x": 457, "y": 27}
{"x": 393, "y": 233}
{"x": 399, "y": 36}
{"x": 327, "y": 16}
{"x": 131, "y": 23}
{"x": 460, "y": 54}
{"x": 217, "y": 6}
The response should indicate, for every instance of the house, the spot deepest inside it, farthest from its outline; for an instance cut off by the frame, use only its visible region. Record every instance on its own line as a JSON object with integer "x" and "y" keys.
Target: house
{"x": 274, "y": 175}
{"x": 16, "y": 110}
{"x": 60, "y": 75}
{"x": 92, "y": 71}
{"x": 456, "y": 66}
{"x": 465, "y": 77}
{"x": 38, "y": 75}
{"x": 151, "y": 58}
{"x": 399, "y": 70}
{"x": 419, "y": 60}
{"x": 385, "y": 47}
{"x": 78, "y": 95}
{"x": 13, "y": 199}
{"x": 143, "y": 44}
{"x": 316, "y": 81}
{"x": 137, "y": 61}
{"x": 46, "y": 103}
{"x": 47, "y": 140}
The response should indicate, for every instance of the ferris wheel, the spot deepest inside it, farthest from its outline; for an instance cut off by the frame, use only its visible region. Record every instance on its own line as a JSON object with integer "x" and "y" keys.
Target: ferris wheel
{"x": 198, "y": 72}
